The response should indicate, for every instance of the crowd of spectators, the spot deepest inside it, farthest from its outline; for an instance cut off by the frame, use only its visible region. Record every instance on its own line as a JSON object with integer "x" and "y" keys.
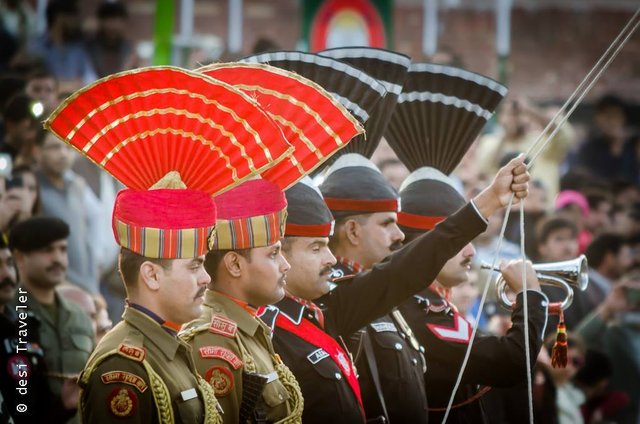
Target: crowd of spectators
{"x": 584, "y": 199}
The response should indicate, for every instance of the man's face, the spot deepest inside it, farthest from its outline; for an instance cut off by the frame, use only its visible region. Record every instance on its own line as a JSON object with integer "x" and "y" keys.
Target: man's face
{"x": 55, "y": 156}
{"x": 112, "y": 30}
{"x": 561, "y": 245}
{"x": 8, "y": 277}
{"x": 456, "y": 270}
{"x": 611, "y": 121}
{"x": 264, "y": 281}
{"x": 599, "y": 217}
{"x": 379, "y": 235}
{"x": 311, "y": 262}
{"x": 23, "y": 133}
{"x": 45, "y": 91}
{"x": 182, "y": 288}
{"x": 44, "y": 268}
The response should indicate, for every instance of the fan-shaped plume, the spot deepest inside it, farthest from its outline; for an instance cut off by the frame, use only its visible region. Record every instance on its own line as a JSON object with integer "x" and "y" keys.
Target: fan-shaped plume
{"x": 439, "y": 114}
{"x": 353, "y": 88}
{"x": 390, "y": 69}
{"x": 141, "y": 125}
{"x": 312, "y": 120}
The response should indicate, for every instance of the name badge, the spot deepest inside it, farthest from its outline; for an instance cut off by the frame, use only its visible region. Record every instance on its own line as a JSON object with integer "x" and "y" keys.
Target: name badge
{"x": 384, "y": 326}
{"x": 272, "y": 376}
{"x": 189, "y": 394}
{"x": 317, "y": 356}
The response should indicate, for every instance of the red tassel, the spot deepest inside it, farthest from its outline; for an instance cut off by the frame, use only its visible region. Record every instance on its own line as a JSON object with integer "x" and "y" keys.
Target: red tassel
{"x": 560, "y": 347}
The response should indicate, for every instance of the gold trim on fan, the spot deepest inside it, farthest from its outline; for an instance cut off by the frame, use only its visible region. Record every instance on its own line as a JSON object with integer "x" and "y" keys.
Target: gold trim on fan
{"x": 293, "y": 75}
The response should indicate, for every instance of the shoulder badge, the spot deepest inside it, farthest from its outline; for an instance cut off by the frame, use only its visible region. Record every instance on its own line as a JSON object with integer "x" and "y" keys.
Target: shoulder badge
{"x": 126, "y": 378}
{"x": 221, "y": 379}
{"x": 223, "y": 326}
{"x": 131, "y": 352}
{"x": 122, "y": 402}
{"x": 460, "y": 332}
{"x": 218, "y": 352}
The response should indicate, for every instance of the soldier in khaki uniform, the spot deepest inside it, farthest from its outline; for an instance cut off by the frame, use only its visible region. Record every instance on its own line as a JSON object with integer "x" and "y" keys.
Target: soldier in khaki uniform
{"x": 57, "y": 328}
{"x": 232, "y": 348}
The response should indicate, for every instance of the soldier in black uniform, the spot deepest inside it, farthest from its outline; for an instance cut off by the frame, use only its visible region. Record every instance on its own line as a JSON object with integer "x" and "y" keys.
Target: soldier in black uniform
{"x": 428, "y": 196}
{"x": 494, "y": 361}
{"x": 309, "y": 335}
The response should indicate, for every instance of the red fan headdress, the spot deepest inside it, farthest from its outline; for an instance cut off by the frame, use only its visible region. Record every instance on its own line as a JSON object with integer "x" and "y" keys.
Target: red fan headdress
{"x": 181, "y": 133}
{"x": 314, "y": 123}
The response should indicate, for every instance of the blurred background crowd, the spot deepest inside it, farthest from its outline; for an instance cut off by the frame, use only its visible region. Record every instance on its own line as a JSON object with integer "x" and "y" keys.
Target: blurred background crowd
{"x": 584, "y": 199}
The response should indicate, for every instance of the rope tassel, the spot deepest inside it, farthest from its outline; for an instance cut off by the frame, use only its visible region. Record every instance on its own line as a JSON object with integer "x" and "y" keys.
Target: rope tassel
{"x": 560, "y": 347}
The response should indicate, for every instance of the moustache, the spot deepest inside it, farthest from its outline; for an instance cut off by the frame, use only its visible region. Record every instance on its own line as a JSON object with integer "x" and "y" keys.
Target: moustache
{"x": 465, "y": 262}
{"x": 55, "y": 267}
{"x": 326, "y": 271}
{"x": 200, "y": 293}
{"x": 395, "y": 246}
{"x": 8, "y": 282}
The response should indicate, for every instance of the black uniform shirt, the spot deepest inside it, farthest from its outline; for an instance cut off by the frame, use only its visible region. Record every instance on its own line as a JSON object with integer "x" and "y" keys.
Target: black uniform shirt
{"x": 494, "y": 361}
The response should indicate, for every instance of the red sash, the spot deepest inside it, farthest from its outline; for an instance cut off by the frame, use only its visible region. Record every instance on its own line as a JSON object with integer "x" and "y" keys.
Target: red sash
{"x": 308, "y": 332}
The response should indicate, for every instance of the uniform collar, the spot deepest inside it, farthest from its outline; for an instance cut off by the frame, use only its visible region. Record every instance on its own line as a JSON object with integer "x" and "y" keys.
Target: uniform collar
{"x": 291, "y": 309}
{"x": 350, "y": 264}
{"x": 227, "y": 306}
{"x": 169, "y": 326}
{"x": 152, "y": 331}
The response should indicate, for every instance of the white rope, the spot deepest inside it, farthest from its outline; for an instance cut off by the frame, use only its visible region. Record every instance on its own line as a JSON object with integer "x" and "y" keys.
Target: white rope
{"x": 525, "y": 301}
{"x": 487, "y": 283}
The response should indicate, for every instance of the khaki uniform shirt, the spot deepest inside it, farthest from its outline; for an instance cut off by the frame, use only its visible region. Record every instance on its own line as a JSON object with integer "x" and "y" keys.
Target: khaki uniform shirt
{"x": 229, "y": 343}
{"x": 140, "y": 373}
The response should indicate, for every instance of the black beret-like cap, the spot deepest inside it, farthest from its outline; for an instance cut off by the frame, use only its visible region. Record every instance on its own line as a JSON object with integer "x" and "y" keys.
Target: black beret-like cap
{"x": 36, "y": 233}
{"x": 354, "y": 186}
{"x": 428, "y": 197}
{"x": 308, "y": 214}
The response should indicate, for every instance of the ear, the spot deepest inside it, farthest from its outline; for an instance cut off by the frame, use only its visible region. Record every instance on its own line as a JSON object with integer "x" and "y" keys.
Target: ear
{"x": 233, "y": 264}
{"x": 352, "y": 231}
{"x": 150, "y": 274}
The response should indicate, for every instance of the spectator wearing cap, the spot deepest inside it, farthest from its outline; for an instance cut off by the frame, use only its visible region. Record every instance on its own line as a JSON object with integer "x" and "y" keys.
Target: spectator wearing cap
{"x": 64, "y": 332}
{"x": 65, "y": 195}
{"x": 574, "y": 205}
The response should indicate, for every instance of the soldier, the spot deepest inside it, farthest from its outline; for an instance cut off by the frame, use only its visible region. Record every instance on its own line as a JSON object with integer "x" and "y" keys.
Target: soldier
{"x": 494, "y": 361}
{"x": 365, "y": 206}
{"x": 13, "y": 360}
{"x": 232, "y": 348}
{"x": 428, "y": 197}
{"x": 63, "y": 330}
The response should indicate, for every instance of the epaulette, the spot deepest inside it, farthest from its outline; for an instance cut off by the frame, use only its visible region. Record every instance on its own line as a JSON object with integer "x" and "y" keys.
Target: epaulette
{"x": 190, "y": 332}
{"x": 132, "y": 347}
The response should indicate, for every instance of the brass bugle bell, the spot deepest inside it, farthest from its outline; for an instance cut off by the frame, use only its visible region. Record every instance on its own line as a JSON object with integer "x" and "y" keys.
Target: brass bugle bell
{"x": 567, "y": 275}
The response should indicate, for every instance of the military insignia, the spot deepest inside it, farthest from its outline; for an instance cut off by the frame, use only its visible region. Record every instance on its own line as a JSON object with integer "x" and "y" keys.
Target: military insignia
{"x": 18, "y": 367}
{"x": 218, "y": 352}
{"x": 223, "y": 325}
{"x": 317, "y": 356}
{"x": 335, "y": 274}
{"x": 344, "y": 363}
{"x": 461, "y": 331}
{"x": 381, "y": 327}
{"x": 221, "y": 379}
{"x": 122, "y": 402}
{"x": 131, "y": 352}
{"x": 124, "y": 377}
